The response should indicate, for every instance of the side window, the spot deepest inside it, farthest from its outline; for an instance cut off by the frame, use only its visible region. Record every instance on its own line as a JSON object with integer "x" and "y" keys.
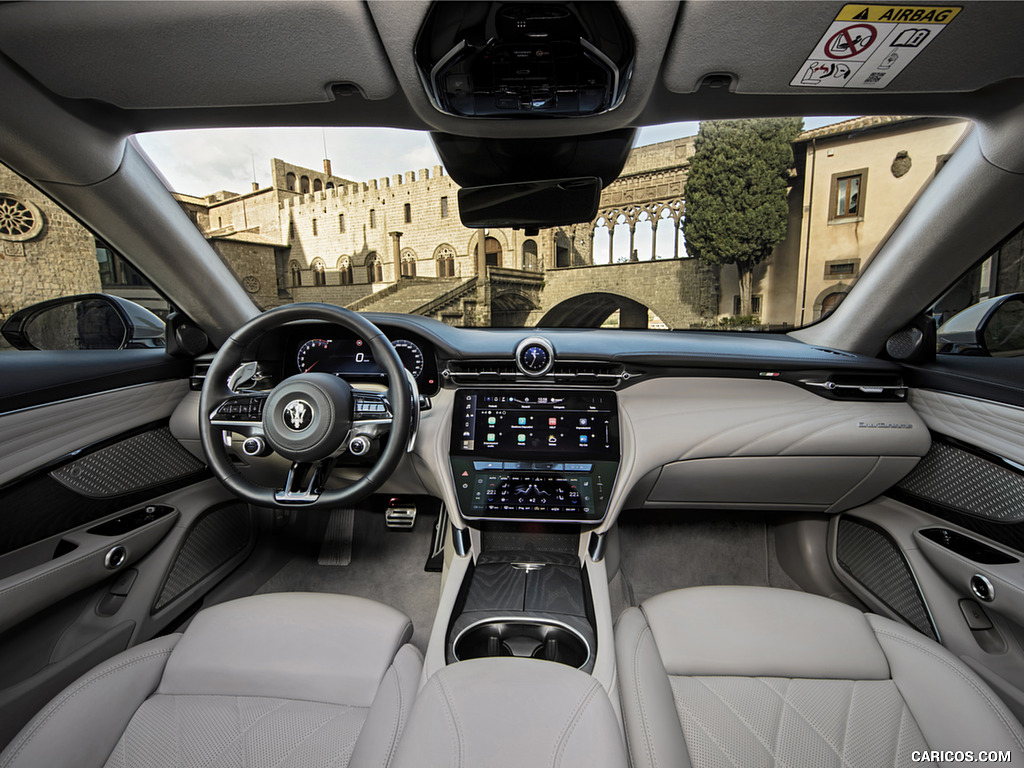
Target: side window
{"x": 46, "y": 256}
{"x": 982, "y": 314}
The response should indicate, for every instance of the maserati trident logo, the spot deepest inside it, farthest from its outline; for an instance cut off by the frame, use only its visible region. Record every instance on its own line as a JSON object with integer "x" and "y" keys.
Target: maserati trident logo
{"x": 298, "y": 415}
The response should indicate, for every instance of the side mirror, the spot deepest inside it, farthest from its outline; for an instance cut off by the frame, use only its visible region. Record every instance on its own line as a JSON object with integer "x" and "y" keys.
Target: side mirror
{"x": 86, "y": 321}
{"x": 994, "y": 327}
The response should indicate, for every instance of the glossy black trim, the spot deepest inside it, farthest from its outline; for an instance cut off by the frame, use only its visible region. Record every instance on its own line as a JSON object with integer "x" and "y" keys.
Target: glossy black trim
{"x": 35, "y": 377}
{"x": 988, "y": 378}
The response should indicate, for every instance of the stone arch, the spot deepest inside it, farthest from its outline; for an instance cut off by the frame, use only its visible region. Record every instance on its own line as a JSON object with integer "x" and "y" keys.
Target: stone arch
{"x": 831, "y": 297}
{"x": 329, "y": 185}
{"x": 319, "y": 272}
{"x": 444, "y": 255}
{"x": 510, "y": 309}
{"x": 374, "y": 268}
{"x": 295, "y": 274}
{"x": 318, "y": 185}
{"x": 563, "y": 249}
{"x": 345, "y": 270}
{"x": 408, "y": 261}
{"x": 304, "y": 185}
{"x": 289, "y": 181}
{"x": 590, "y": 310}
{"x": 531, "y": 259}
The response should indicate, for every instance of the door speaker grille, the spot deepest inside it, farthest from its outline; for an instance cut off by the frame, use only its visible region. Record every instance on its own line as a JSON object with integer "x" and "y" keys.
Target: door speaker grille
{"x": 870, "y": 556}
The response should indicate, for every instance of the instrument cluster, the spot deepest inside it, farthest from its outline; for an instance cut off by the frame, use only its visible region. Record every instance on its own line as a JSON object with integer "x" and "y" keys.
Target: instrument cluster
{"x": 352, "y": 359}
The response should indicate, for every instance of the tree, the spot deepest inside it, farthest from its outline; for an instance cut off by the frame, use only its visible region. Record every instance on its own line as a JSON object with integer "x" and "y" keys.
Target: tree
{"x": 736, "y": 207}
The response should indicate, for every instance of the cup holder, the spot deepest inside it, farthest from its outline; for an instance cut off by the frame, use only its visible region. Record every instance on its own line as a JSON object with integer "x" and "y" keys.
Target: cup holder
{"x": 526, "y": 638}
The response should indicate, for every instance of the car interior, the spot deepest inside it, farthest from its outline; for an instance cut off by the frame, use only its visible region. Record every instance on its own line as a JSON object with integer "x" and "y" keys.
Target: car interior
{"x": 221, "y": 546}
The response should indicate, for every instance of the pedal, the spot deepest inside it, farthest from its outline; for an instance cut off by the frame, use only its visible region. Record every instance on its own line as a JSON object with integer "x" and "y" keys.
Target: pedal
{"x": 400, "y": 514}
{"x": 336, "y": 548}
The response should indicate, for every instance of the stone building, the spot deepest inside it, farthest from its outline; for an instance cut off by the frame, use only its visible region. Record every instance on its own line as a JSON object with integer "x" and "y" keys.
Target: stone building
{"x": 396, "y": 244}
{"x": 44, "y": 253}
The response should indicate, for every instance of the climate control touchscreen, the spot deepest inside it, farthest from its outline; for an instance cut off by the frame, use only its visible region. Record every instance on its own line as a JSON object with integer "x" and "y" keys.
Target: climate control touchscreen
{"x": 534, "y": 454}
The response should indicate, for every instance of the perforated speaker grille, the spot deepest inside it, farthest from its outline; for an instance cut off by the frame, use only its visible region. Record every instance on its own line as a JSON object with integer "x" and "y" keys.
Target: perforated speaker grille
{"x": 904, "y": 343}
{"x": 216, "y": 537}
{"x": 871, "y": 557}
{"x": 142, "y": 461}
{"x": 962, "y": 481}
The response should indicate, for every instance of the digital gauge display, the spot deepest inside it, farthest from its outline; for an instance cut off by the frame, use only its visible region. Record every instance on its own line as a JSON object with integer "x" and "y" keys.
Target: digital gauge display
{"x": 353, "y": 357}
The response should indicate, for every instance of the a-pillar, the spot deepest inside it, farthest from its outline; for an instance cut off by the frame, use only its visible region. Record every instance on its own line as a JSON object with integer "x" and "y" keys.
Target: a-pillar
{"x": 396, "y": 253}
{"x": 632, "y": 314}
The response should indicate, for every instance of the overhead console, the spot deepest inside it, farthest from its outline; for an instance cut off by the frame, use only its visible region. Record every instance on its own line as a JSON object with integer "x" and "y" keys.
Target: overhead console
{"x": 534, "y": 454}
{"x": 521, "y": 60}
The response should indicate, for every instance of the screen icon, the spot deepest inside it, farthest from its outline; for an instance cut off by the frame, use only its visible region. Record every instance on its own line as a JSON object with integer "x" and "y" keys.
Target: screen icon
{"x": 490, "y": 437}
{"x": 521, "y": 438}
{"x": 552, "y": 440}
{"x": 522, "y": 421}
{"x": 583, "y": 439}
{"x": 491, "y": 421}
{"x": 553, "y": 421}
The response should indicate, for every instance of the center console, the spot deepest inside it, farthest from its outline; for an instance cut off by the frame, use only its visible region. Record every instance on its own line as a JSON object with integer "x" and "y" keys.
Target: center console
{"x": 541, "y": 455}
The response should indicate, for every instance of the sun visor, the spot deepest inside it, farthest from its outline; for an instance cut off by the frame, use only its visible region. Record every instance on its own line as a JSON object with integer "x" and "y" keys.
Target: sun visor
{"x": 803, "y": 48}
{"x": 153, "y": 55}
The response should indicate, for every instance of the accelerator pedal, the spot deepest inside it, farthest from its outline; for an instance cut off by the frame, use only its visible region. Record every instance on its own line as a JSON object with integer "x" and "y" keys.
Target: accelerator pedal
{"x": 336, "y": 548}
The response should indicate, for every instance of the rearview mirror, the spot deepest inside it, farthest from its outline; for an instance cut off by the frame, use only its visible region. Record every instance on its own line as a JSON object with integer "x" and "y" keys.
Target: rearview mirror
{"x": 530, "y": 204}
{"x": 86, "y": 321}
{"x": 994, "y": 327}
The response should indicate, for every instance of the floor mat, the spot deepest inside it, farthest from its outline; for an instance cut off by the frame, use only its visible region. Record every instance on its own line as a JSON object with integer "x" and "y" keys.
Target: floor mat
{"x": 670, "y": 550}
{"x": 386, "y": 566}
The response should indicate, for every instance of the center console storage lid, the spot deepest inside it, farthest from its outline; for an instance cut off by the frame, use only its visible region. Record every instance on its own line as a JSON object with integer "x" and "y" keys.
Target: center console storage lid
{"x": 507, "y": 713}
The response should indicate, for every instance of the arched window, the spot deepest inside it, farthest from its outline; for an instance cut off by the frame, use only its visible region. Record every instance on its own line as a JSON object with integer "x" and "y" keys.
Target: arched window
{"x": 341, "y": 222}
{"x": 530, "y": 255}
{"x": 492, "y": 251}
{"x": 830, "y": 302}
{"x": 408, "y": 263}
{"x": 345, "y": 270}
{"x": 290, "y": 181}
{"x": 330, "y": 185}
{"x": 374, "y": 269}
{"x": 408, "y": 213}
{"x": 296, "y": 274}
{"x": 317, "y": 185}
{"x": 304, "y": 184}
{"x": 319, "y": 273}
{"x": 446, "y": 261}
{"x": 563, "y": 250}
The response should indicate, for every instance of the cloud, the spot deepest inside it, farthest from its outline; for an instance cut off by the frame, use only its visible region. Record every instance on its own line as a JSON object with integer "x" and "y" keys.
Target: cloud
{"x": 199, "y": 162}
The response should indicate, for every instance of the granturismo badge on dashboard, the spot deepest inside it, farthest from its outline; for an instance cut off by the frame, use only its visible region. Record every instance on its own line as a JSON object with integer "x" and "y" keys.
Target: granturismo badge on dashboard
{"x": 882, "y": 425}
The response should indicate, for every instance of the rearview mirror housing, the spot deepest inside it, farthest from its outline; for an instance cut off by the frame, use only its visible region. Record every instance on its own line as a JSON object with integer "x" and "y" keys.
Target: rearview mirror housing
{"x": 530, "y": 204}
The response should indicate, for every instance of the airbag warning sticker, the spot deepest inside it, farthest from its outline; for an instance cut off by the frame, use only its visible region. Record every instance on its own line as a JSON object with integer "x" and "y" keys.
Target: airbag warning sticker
{"x": 866, "y": 46}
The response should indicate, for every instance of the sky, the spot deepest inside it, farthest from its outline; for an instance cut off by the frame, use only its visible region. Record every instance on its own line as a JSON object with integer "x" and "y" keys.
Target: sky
{"x": 200, "y": 162}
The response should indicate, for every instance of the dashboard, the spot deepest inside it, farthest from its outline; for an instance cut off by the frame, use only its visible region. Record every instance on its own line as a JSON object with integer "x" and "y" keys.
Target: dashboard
{"x": 578, "y": 425}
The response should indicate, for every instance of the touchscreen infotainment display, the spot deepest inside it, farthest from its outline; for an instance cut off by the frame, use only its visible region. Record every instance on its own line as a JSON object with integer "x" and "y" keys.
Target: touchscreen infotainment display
{"x": 536, "y": 423}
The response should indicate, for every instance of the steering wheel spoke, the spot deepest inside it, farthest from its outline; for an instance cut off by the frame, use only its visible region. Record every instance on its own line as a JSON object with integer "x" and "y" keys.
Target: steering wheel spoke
{"x": 305, "y": 482}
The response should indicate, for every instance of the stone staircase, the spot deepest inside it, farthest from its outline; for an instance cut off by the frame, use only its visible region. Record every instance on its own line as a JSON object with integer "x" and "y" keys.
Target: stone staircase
{"x": 415, "y": 295}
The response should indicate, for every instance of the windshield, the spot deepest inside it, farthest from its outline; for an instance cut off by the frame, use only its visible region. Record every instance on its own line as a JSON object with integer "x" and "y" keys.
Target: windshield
{"x": 731, "y": 225}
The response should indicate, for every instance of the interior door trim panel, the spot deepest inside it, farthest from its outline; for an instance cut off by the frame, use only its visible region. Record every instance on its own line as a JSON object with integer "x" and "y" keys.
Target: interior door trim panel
{"x": 88, "y": 562}
{"x": 996, "y": 427}
{"x": 36, "y": 436}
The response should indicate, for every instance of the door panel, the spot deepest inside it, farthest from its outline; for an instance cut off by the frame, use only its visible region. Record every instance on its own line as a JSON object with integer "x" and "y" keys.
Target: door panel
{"x": 88, "y": 464}
{"x": 971, "y": 486}
{"x": 35, "y": 436}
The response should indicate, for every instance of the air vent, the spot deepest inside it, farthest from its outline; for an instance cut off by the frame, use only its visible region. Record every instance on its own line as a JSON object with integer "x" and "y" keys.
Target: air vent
{"x": 199, "y": 371}
{"x": 587, "y": 373}
{"x": 859, "y": 386}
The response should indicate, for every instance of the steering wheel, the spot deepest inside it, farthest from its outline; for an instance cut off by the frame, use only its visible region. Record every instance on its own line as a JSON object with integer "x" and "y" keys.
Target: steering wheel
{"x": 309, "y": 418}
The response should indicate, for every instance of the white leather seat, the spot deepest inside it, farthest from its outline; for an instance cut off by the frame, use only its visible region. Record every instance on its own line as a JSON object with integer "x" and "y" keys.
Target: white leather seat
{"x": 748, "y": 676}
{"x": 276, "y": 680}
